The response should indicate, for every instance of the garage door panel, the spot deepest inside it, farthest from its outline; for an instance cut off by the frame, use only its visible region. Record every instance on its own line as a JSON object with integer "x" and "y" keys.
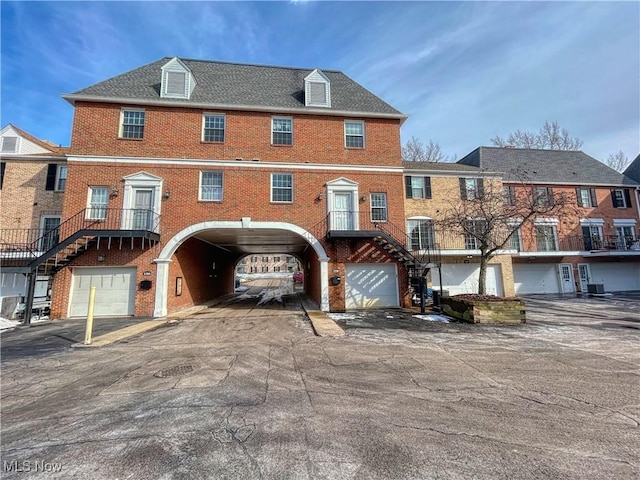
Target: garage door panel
{"x": 371, "y": 286}
{"x": 535, "y": 278}
{"x": 460, "y": 278}
{"x": 616, "y": 277}
{"x": 115, "y": 291}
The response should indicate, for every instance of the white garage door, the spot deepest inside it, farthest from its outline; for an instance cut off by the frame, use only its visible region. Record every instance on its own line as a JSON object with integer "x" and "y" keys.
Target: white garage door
{"x": 460, "y": 278}
{"x": 115, "y": 291}
{"x": 535, "y": 278}
{"x": 371, "y": 285}
{"x": 616, "y": 277}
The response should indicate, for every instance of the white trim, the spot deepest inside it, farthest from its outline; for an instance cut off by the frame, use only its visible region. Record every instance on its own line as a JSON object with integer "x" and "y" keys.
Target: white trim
{"x": 121, "y": 126}
{"x": 89, "y": 208}
{"x": 624, "y": 222}
{"x": 546, "y": 221}
{"x": 224, "y": 128}
{"x": 200, "y": 199}
{"x": 271, "y": 188}
{"x": 364, "y": 140}
{"x": 592, "y": 222}
{"x": 280, "y": 117}
{"x": 164, "y": 259}
{"x": 234, "y": 164}
{"x": 343, "y": 185}
{"x": 140, "y": 180}
{"x": 71, "y": 98}
{"x": 419, "y": 217}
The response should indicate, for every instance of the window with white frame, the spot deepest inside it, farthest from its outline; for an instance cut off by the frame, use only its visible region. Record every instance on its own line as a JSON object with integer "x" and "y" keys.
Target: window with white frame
{"x": 625, "y": 233}
{"x": 276, "y": 269}
{"x": 213, "y": 127}
{"x": 509, "y": 195}
{"x": 592, "y": 235}
{"x": 514, "y": 242}
{"x": 546, "y": 238}
{"x": 254, "y": 269}
{"x": 354, "y": 134}
{"x": 543, "y": 196}
{"x": 265, "y": 269}
{"x": 281, "y": 131}
{"x": 417, "y": 187}
{"x": 586, "y": 197}
{"x": 471, "y": 188}
{"x": 276, "y": 259}
{"x": 9, "y": 144}
{"x": 620, "y": 198}
{"x": 98, "y": 201}
{"x": 61, "y": 178}
{"x": 211, "y": 186}
{"x": 282, "y": 187}
{"x": 379, "y": 207}
{"x": 132, "y": 124}
{"x": 474, "y": 232}
{"x": 421, "y": 234}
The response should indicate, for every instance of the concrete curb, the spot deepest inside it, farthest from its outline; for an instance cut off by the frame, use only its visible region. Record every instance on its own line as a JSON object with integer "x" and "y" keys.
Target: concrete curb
{"x": 323, "y": 326}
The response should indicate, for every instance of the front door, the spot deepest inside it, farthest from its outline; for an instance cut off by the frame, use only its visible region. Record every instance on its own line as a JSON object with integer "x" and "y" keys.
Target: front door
{"x": 565, "y": 271}
{"x": 143, "y": 209}
{"x": 584, "y": 270}
{"x": 342, "y": 215}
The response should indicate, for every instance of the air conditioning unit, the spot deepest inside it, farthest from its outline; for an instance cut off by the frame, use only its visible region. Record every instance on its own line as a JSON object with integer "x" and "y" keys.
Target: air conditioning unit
{"x": 595, "y": 287}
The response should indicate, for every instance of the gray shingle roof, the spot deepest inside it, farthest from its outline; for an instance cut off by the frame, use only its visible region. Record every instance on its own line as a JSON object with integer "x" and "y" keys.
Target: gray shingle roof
{"x": 546, "y": 166}
{"x": 442, "y": 167}
{"x": 240, "y": 86}
{"x": 633, "y": 170}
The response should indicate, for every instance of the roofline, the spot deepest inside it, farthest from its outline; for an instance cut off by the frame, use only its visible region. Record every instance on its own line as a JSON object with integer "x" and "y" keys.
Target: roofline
{"x": 447, "y": 173}
{"x": 37, "y": 156}
{"x": 72, "y": 98}
{"x": 571, "y": 184}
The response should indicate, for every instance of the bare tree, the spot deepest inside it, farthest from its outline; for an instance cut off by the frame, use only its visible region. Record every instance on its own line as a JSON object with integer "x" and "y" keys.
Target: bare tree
{"x": 618, "y": 161}
{"x": 489, "y": 214}
{"x": 416, "y": 151}
{"x": 550, "y": 136}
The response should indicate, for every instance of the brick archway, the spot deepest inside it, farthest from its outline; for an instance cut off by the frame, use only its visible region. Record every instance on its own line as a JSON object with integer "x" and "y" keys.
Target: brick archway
{"x": 164, "y": 259}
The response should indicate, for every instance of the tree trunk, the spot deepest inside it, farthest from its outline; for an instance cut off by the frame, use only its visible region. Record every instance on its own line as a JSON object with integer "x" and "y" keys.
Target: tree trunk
{"x": 482, "y": 280}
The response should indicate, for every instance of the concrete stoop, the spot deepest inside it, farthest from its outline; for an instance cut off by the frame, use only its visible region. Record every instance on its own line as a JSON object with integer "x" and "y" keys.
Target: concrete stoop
{"x": 323, "y": 326}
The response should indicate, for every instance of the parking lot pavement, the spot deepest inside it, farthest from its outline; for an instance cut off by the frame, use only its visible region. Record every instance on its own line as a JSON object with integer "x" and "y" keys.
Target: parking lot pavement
{"x": 245, "y": 390}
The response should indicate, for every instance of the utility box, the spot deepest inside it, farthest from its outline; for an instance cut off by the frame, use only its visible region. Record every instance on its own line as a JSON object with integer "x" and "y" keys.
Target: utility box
{"x": 595, "y": 287}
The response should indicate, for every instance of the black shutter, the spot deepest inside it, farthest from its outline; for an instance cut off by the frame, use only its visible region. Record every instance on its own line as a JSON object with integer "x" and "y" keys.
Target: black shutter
{"x": 480, "y": 183}
{"x": 51, "y": 176}
{"x": 550, "y": 199}
{"x": 594, "y": 199}
{"x": 463, "y": 189}
{"x": 627, "y": 197}
{"x": 614, "y": 200}
{"x": 2, "y": 166}
{"x": 586, "y": 236}
{"x": 427, "y": 187}
{"x": 407, "y": 184}
{"x": 579, "y": 197}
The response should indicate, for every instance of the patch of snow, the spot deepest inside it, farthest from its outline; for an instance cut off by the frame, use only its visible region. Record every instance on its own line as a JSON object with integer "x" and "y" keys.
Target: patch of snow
{"x": 389, "y": 316}
{"x": 341, "y": 316}
{"x": 242, "y": 288}
{"x": 433, "y": 318}
{"x": 5, "y": 323}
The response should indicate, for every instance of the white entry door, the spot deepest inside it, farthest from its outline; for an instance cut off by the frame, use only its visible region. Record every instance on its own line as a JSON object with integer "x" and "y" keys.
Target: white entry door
{"x": 565, "y": 272}
{"x": 342, "y": 215}
{"x": 143, "y": 209}
{"x": 584, "y": 270}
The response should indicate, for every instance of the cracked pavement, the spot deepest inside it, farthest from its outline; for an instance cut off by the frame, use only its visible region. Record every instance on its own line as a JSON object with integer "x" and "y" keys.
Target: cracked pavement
{"x": 245, "y": 390}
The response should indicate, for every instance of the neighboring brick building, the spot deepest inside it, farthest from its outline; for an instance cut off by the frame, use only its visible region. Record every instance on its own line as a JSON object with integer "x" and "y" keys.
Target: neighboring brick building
{"x": 32, "y": 181}
{"x": 596, "y": 241}
{"x": 180, "y": 168}
{"x": 268, "y": 264}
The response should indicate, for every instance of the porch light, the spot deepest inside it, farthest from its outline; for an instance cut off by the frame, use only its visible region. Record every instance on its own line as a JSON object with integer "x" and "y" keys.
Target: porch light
{"x": 319, "y": 197}
{"x": 114, "y": 193}
{"x": 101, "y": 257}
{"x": 363, "y": 198}
{"x": 166, "y": 195}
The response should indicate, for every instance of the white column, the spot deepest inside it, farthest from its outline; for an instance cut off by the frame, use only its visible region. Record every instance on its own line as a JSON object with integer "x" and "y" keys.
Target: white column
{"x": 324, "y": 285}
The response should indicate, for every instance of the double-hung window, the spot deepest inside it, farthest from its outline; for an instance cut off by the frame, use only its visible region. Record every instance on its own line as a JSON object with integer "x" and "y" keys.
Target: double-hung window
{"x": 586, "y": 197}
{"x": 98, "y": 201}
{"x": 282, "y": 187}
{"x": 514, "y": 242}
{"x": 56, "y": 177}
{"x": 211, "y": 186}
{"x": 379, "y": 207}
{"x": 621, "y": 198}
{"x": 213, "y": 127}
{"x": 417, "y": 187}
{"x": 474, "y": 231}
{"x": 543, "y": 196}
{"x": 281, "y": 131}
{"x": 421, "y": 236}
{"x": 471, "y": 188}
{"x": 546, "y": 238}
{"x": 354, "y": 134}
{"x": 132, "y": 124}
{"x": 509, "y": 195}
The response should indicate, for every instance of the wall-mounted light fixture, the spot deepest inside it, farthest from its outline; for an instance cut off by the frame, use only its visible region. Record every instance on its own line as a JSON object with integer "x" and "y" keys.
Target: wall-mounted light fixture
{"x": 114, "y": 192}
{"x": 363, "y": 198}
{"x": 319, "y": 197}
{"x": 102, "y": 257}
{"x": 167, "y": 194}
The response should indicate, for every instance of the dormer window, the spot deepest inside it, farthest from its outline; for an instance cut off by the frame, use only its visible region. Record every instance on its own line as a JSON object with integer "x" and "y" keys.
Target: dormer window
{"x": 9, "y": 144}
{"x": 177, "y": 80}
{"x": 317, "y": 90}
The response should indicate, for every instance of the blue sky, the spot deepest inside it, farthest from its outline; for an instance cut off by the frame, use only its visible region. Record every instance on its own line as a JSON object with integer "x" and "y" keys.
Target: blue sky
{"x": 463, "y": 71}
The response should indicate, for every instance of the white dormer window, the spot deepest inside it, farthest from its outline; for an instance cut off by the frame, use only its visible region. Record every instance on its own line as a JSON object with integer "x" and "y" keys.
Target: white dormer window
{"x": 177, "y": 80}
{"x": 317, "y": 90}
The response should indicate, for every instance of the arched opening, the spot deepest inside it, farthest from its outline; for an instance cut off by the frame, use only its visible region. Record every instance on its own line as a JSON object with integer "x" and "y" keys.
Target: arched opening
{"x": 199, "y": 261}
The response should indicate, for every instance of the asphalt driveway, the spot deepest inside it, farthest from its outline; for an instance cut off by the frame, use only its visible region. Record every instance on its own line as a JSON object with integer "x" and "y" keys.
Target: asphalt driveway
{"x": 245, "y": 390}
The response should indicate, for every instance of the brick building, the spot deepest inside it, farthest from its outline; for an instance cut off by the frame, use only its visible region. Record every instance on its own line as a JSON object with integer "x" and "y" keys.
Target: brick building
{"x": 179, "y": 169}
{"x": 33, "y": 175}
{"x": 268, "y": 264}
